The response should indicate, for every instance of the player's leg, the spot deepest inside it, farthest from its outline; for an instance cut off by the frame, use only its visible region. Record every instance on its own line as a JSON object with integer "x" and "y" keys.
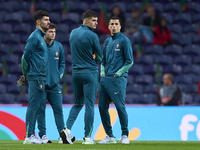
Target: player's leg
{"x": 55, "y": 99}
{"x": 36, "y": 94}
{"x": 104, "y": 101}
{"x": 90, "y": 93}
{"x": 117, "y": 95}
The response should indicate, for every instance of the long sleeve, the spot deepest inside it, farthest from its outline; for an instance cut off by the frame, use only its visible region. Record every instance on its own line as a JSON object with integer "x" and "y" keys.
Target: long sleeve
{"x": 97, "y": 48}
{"x": 127, "y": 48}
{"x": 25, "y": 60}
{"x": 61, "y": 62}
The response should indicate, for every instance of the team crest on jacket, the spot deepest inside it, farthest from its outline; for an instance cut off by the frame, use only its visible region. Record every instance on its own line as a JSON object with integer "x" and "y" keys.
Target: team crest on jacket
{"x": 117, "y": 45}
{"x": 56, "y": 53}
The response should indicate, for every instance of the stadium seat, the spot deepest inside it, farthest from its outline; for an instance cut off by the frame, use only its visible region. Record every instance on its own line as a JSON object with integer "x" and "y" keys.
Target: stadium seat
{"x": 158, "y": 7}
{"x": 5, "y": 8}
{"x": 5, "y": 28}
{"x": 191, "y": 89}
{"x": 183, "y": 60}
{"x": 96, "y": 7}
{"x": 192, "y": 69}
{"x": 144, "y": 79}
{"x": 164, "y": 60}
{"x": 192, "y": 28}
{"x": 18, "y": 50}
{"x": 57, "y": 8}
{"x": 7, "y": 99}
{"x": 4, "y": 49}
{"x": 196, "y": 39}
{"x": 129, "y": 98}
{"x": 168, "y": 17}
{"x": 22, "y": 7}
{"x": 195, "y": 78}
{"x": 22, "y": 99}
{"x": 1, "y": 69}
{"x": 68, "y": 98}
{"x": 176, "y": 28}
{"x": 173, "y": 69}
{"x": 62, "y": 29}
{"x": 196, "y": 60}
{"x": 136, "y": 70}
{"x": 24, "y": 38}
{"x": 70, "y": 18}
{"x": 121, "y": 5}
{"x": 28, "y": 18}
{"x": 151, "y": 69}
{"x": 103, "y": 37}
{"x": 187, "y": 99}
{"x": 11, "y": 39}
{"x": 11, "y": 59}
{"x": 191, "y": 50}
{"x": 145, "y": 99}
{"x": 22, "y": 29}
{"x": 150, "y": 89}
{"x": 182, "y": 19}
{"x": 183, "y": 79}
{"x": 79, "y": 8}
{"x": 144, "y": 60}
{"x": 43, "y": 6}
{"x": 130, "y": 80}
{"x": 172, "y": 8}
{"x": 197, "y": 99}
{"x": 173, "y": 50}
{"x": 16, "y": 69}
{"x": 13, "y": 18}
{"x": 13, "y": 89}
{"x": 193, "y": 8}
{"x": 3, "y": 89}
{"x": 64, "y": 39}
{"x": 154, "y": 50}
{"x": 195, "y": 18}
{"x": 70, "y": 89}
{"x": 8, "y": 79}
{"x": 55, "y": 18}
{"x": 134, "y": 89}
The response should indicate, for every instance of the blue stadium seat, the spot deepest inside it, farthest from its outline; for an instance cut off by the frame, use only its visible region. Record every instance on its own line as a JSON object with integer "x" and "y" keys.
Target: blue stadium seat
{"x": 187, "y": 99}
{"x": 1, "y": 68}
{"x": 176, "y": 28}
{"x": 191, "y": 89}
{"x": 55, "y": 18}
{"x": 185, "y": 39}
{"x": 195, "y": 78}
{"x": 173, "y": 69}
{"x": 192, "y": 28}
{"x": 156, "y": 50}
{"x": 136, "y": 70}
{"x": 121, "y": 5}
{"x": 11, "y": 59}
{"x": 134, "y": 89}
{"x": 196, "y": 39}
{"x": 22, "y": 99}
{"x": 192, "y": 69}
{"x": 43, "y": 6}
{"x": 168, "y": 17}
{"x": 70, "y": 18}
{"x": 22, "y": 29}
{"x": 145, "y": 99}
{"x": 150, "y": 69}
{"x": 62, "y": 29}
{"x": 7, "y": 99}
{"x": 103, "y": 37}
{"x": 11, "y": 39}
{"x": 22, "y": 7}
{"x": 182, "y": 19}
{"x": 68, "y": 98}
{"x": 13, "y": 89}
{"x": 195, "y": 18}
{"x": 193, "y": 8}
{"x": 150, "y": 89}
{"x": 5, "y": 8}
{"x": 130, "y": 80}
{"x": 64, "y": 39}
{"x": 144, "y": 60}
{"x": 28, "y": 18}
{"x": 70, "y": 88}
{"x": 129, "y": 98}
{"x": 96, "y": 6}
{"x": 5, "y": 28}
{"x": 4, "y": 49}
{"x": 80, "y": 7}
{"x": 13, "y": 18}
{"x": 3, "y": 89}
{"x": 24, "y": 38}
{"x": 196, "y": 60}
{"x": 18, "y": 50}
{"x": 173, "y": 50}
{"x": 183, "y": 79}
{"x": 197, "y": 99}
{"x": 164, "y": 60}
{"x": 8, "y": 79}
{"x": 144, "y": 79}
{"x": 191, "y": 50}
{"x": 158, "y": 7}
{"x": 16, "y": 69}
{"x": 183, "y": 60}
{"x": 172, "y": 8}
{"x": 57, "y": 8}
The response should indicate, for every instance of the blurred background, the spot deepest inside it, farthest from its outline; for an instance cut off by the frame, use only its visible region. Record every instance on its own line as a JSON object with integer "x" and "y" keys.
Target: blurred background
{"x": 164, "y": 33}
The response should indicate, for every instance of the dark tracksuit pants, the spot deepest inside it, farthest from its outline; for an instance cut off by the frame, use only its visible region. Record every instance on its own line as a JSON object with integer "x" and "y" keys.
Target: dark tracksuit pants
{"x": 54, "y": 97}
{"x": 113, "y": 90}
{"x": 85, "y": 86}
{"x": 36, "y": 93}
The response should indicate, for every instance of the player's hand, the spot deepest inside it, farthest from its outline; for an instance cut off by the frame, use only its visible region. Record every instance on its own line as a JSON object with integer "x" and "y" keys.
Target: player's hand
{"x": 94, "y": 56}
{"x": 116, "y": 75}
{"x": 23, "y": 79}
{"x": 103, "y": 75}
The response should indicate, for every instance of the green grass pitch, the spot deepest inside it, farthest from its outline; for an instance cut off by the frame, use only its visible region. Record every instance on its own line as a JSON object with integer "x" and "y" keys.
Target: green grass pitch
{"x": 135, "y": 145}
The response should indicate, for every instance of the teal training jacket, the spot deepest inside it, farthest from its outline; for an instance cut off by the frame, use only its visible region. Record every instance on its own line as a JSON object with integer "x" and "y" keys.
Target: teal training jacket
{"x": 35, "y": 58}
{"x": 117, "y": 55}
{"x": 83, "y": 43}
{"x": 56, "y": 64}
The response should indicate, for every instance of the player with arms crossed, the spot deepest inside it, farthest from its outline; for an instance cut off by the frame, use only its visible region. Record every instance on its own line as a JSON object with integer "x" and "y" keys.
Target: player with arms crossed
{"x": 34, "y": 67}
{"x": 117, "y": 59}
{"x": 84, "y": 43}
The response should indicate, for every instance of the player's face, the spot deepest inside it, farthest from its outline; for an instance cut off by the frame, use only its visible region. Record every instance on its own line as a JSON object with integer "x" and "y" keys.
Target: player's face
{"x": 51, "y": 34}
{"x": 114, "y": 26}
{"x": 44, "y": 23}
{"x": 92, "y": 22}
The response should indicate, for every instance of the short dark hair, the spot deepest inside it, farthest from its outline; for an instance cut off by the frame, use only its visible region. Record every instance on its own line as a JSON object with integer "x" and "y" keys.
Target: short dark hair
{"x": 115, "y": 18}
{"x": 39, "y": 14}
{"x": 136, "y": 9}
{"x": 89, "y": 14}
{"x": 52, "y": 26}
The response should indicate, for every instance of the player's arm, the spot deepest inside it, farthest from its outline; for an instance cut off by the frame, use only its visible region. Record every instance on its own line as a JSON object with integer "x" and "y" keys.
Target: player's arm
{"x": 97, "y": 48}
{"x": 103, "y": 63}
{"x": 61, "y": 62}
{"x": 128, "y": 54}
{"x": 25, "y": 60}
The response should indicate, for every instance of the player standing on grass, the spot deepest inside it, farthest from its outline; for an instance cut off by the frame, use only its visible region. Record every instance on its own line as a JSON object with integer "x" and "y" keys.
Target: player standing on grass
{"x": 34, "y": 67}
{"x": 53, "y": 90}
{"x": 117, "y": 59}
{"x": 84, "y": 43}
